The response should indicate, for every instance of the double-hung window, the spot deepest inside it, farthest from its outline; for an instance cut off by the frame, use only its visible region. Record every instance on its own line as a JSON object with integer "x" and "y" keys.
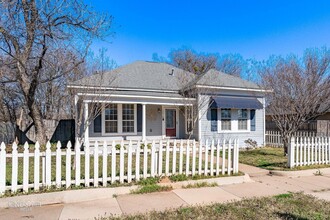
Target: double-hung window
{"x": 111, "y": 118}
{"x": 128, "y": 118}
{"x": 242, "y": 119}
{"x": 226, "y": 119}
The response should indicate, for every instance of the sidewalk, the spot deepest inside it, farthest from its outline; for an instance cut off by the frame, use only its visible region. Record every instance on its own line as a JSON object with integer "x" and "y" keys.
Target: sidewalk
{"x": 129, "y": 204}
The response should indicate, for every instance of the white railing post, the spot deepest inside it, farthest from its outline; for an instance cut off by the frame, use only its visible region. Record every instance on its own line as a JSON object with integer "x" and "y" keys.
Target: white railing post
{"x": 48, "y": 165}
{"x": 129, "y": 162}
{"x": 68, "y": 165}
{"x": 212, "y": 158}
{"x": 121, "y": 162}
{"x": 87, "y": 164}
{"x": 160, "y": 158}
{"x": 77, "y": 163}
{"x": 174, "y": 158}
{"x": 113, "y": 162}
{"x": 36, "y": 166}
{"x": 217, "y": 168}
{"x": 206, "y": 158}
{"x": 229, "y": 158}
{"x": 2, "y": 168}
{"x": 58, "y": 165}
{"x": 193, "y": 158}
{"x": 96, "y": 164}
{"x": 145, "y": 159}
{"x": 105, "y": 164}
{"x": 167, "y": 159}
{"x": 26, "y": 166}
{"x": 137, "y": 161}
{"x": 291, "y": 151}
{"x": 187, "y": 158}
{"x": 15, "y": 169}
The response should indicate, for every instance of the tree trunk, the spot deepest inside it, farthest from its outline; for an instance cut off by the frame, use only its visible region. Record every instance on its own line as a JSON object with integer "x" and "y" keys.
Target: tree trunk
{"x": 40, "y": 130}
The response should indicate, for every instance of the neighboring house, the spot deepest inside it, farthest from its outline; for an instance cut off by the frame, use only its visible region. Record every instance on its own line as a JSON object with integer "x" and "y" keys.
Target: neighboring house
{"x": 148, "y": 100}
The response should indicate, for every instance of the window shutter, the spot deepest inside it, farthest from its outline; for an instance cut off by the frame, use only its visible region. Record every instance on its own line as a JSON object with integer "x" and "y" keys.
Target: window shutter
{"x": 139, "y": 118}
{"x": 253, "y": 119}
{"x": 214, "y": 119}
{"x": 98, "y": 124}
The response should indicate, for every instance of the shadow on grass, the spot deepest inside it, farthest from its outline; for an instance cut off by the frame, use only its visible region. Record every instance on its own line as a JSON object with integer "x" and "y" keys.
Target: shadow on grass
{"x": 289, "y": 216}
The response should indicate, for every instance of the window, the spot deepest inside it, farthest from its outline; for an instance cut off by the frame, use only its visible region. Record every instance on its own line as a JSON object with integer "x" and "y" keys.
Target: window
{"x": 111, "y": 118}
{"x": 225, "y": 119}
{"x": 252, "y": 119}
{"x": 189, "y": 119}
{"x": 128, "y": 118}
{"x": 242, "y": 119}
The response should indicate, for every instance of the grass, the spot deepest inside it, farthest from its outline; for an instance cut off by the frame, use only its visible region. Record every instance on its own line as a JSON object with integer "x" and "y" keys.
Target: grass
{"x": 151, "y": 188}
{"x": 200, "y": 185}
{"x": 271, "y": 158}
{"x": 284, "y": 206}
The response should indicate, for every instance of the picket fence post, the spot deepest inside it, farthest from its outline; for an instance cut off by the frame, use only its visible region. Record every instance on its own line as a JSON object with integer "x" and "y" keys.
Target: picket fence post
{"x": 2, "y": 168}
{"x": 68, "y": 165}
{"x": 58, "y": 165}
{"x": 291, "y": 151}
{"x": 26, "y": 166}
{"x": 15, "y": 168}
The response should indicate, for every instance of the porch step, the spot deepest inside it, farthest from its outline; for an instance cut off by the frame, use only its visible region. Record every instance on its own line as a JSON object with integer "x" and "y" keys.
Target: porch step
{"x": 252, "y": 171}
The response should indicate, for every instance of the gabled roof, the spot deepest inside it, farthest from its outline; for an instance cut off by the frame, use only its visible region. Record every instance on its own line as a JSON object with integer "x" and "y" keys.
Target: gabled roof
{"x": 140, "y": 75}
{"x": 219, "y": 79}
{"x": 160, "y": 77}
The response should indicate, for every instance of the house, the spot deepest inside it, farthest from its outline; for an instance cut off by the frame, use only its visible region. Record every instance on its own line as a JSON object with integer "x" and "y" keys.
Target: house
{"x": 150, "y": 100}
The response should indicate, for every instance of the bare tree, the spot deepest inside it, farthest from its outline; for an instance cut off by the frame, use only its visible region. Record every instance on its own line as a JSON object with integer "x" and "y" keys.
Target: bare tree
{"x": 93, "y": 72}
{"x": 191, "y": 61}
{"x": 31, "y": 31}
{"x": 301, "y": 90}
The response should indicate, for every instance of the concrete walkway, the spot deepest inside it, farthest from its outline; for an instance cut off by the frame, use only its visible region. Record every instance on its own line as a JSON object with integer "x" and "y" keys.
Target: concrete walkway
{"x": 318, "y": 186}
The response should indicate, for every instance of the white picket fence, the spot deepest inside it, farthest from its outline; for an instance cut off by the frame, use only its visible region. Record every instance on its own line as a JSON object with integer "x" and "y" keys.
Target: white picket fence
{"x": 107, "y": 163}
{"x": 308, "y": 151}
{"x": 274, "y": 139}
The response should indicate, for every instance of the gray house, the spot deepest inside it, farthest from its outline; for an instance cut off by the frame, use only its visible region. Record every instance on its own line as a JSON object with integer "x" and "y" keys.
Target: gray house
{"x": 149, "y": 100}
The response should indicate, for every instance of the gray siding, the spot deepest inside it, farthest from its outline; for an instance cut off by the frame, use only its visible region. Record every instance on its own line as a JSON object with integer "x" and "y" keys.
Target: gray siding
{"x": 154, "y": 120}
{"x": 257, "y": 135}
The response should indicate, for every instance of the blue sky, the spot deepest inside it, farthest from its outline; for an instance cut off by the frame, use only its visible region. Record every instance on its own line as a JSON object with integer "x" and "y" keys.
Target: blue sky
{"x": 255, "y": 29}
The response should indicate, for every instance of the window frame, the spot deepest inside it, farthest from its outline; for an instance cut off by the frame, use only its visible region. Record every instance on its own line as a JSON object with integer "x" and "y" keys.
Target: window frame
{"x": 234, "y": 122}
{"x": 120, "y": 120}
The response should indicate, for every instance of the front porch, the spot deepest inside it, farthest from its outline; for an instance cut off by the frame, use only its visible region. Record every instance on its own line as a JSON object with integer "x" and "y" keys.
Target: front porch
{"x": 127, "y": 119}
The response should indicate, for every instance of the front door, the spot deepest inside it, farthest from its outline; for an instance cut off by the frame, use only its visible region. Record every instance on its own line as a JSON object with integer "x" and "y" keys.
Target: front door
{"x": 170, "y": 122}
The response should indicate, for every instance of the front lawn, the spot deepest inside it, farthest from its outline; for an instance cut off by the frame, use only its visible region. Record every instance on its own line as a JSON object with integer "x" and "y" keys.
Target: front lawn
{"x": 284, "y": 206}
{"x": 267, "y": 157}
{"x": 271, "y": 158}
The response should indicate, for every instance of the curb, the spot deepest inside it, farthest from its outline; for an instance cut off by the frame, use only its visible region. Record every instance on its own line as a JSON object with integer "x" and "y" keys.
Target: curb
{"x": 300, "y": 173}
{"x": 90, "y": 194}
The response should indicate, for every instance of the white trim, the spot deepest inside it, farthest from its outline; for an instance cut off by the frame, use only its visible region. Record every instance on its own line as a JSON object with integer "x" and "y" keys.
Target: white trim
{"x": 187, "y": 119}
{"x": 144, "y": 122}
{"x": 119, "y": 121}
{"x": 137, "y": 96}
{"x": 177, "y": 128}
{"x": 234, "y": 122}
{"x": 232, "y": 88}
{"x": 120, "y": 89}
{"x": 86, "y": 134}
{"x": 136, "y": 102}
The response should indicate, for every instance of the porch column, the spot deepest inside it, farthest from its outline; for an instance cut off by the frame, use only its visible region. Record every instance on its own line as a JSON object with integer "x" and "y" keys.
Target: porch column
{"x": 144, "y": 122}
{"x": 86, "y": 124}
